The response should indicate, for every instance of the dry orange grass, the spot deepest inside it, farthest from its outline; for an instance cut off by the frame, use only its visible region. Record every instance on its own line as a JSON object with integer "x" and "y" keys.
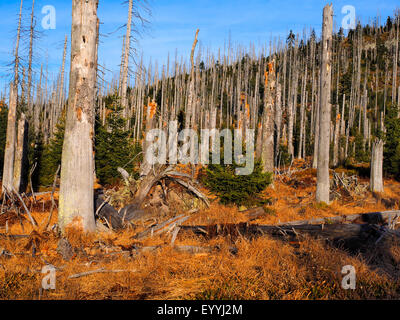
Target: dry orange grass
{"x": 262, "y": 268}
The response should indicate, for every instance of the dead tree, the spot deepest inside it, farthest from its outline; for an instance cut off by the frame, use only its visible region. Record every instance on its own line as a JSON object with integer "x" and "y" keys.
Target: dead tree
{"x": 125, "y": 62}
{"x": 191, "y": 99}
{"x": 267, "y": 154}
{"x": 21, "y": 155}
{"x": 9, "y": 152}
{"x": 76, "y": 187}
{"x": 376, "y": 179}
{"x": 31, "y": 35}
{"x": 322, "y": 194}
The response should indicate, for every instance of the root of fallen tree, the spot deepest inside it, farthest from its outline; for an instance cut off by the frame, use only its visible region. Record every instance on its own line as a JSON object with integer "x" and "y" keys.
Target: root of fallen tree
{"x": 117, "y": 219}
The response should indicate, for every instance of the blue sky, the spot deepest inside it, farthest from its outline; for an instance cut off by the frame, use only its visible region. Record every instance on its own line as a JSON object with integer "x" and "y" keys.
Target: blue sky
{"x": 173, "y": 24}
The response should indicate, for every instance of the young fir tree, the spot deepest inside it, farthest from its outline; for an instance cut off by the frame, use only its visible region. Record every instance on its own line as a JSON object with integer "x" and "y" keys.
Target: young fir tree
{"x": 114, "y": 145}
{"x": 49, "y": 156}
{"x": 235, "y": 189}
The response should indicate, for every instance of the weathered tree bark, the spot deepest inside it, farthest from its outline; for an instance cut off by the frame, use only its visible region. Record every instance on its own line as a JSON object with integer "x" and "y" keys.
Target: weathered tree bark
{"x": 21, "y": 156}
{"x": 61, "y": 90}
{"x": 76, "y": 187}
{"x": 336, "y": 138}
{"x": 395, "y": 61}
{"x": 267, "y": 154}
{"x": 191, "y": 93}
{"x": 376, "y": 179}
{"x": 150, "y": 114}
{"x": 322, "y": 194}
{"x": 278, "y": 119}
{"x": 30, "y": 100}
{"x": 124, "y": 84}
{"x": 8, "y": 168}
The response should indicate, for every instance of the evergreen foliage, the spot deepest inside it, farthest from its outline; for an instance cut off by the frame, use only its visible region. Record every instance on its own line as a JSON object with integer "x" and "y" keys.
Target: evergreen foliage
{"x": 235, "y": 189}
{"x": 114, "y": 146}
{"x": 49, "y": 156}
{"x": 391, "y": 153}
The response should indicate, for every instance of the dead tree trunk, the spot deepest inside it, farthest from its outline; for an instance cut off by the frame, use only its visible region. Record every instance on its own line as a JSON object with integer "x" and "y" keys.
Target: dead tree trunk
{"x": 30, "y": 100}
{"x": 191, "y": 98}
{"x": 21, "y": 155}
{"x": 322, "y": 194}
{"x": 376, "y": 180}
{"x": 8, "y": 169}
{"x": 124, "y": 82}
{"x": 267, "y": 154}
{"x": 76, "y": 188}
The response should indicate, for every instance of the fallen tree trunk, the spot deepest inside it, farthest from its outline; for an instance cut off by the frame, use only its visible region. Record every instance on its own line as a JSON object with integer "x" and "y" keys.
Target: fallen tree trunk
{"x": 349, "y": 236}
{"x": 117, "y": 218}
{"x": 381, "y": 218}
{"x": 14, "y": 236}
{"x": 255, "y": 213}
{"x": 160, "y": 228}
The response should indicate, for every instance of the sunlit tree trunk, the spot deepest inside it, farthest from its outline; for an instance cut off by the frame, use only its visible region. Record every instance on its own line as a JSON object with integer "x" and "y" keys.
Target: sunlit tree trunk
{"x": 322, "y": 194}
{"x": 267, "y": 154}
{"x": 124, "y": 82}
{"x": 376, "y": 179}
{"x": 21, "y": 153}
{"x": 76, "y": 188}
{"x": 9, "y": 152}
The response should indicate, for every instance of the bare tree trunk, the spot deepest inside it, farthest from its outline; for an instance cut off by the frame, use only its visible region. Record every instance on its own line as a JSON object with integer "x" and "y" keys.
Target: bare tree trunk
{"x": 322, "y": 194}
{"x": 8, "y": 169}
{"x": 316, "y": 130}
{"x": 376, "y": 179}
{"x": 278, "y": 119}
{"x": 150, "y": 112}
{"x": 336, "y": 138}
{"x": 267, "y": 154}
{"x": 61, "y": 91}
{"x": 21, "y": 155}
{"x": 124, "y": 84}
{"x": 191, "y": 102}
{"x": 76, "y": 188}
{"x": 30, "y": 100}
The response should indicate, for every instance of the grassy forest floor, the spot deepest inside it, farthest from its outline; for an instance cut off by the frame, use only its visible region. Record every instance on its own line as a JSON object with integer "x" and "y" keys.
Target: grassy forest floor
{"x": 262, "y": 268}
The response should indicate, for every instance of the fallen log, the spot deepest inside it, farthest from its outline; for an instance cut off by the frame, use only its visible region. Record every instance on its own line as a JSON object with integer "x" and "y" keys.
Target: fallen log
{"x": 14, "y": 236}
{"x": 194, "y": 190}
{"x": 101, "y": 270}
{"x": 183, "y": 249}
{"x": 349, "y": 236}
{"x": 379, "y": 218}
{"x": 158, "y": 229}
{"x": 116, "y": 218}
{"x": 255, "y": 213}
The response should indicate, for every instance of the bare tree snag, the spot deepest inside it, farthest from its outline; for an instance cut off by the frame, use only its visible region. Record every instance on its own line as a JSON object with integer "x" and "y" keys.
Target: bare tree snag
{"x": 30, "y": 100}
{"x": 191, "y": 100}
{"x": 127, "y": 42}
{"x": 267, "y": 153}
{"x": 322, "y": 194}
{"x": 376, "y": 179}
{"x": 21, "y": 156}
{"x": 8, "y": 168}
{"x": 150, "y": 115}
{"x": 76, "y": 187}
